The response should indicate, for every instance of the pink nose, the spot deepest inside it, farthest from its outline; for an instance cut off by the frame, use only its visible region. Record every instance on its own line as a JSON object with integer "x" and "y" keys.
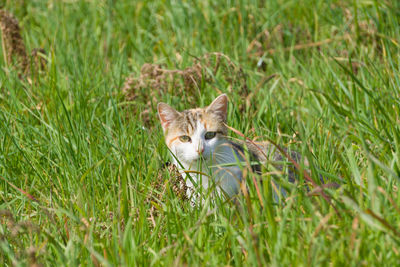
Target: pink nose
{"x": 200, "y": 150}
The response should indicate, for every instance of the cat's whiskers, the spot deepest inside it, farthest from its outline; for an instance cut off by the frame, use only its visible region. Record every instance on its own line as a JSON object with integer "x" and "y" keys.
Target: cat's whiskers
{"x": 220, "y": 156}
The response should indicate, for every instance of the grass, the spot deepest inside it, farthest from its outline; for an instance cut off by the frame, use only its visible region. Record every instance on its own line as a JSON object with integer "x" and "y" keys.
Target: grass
{"x": 77, "y": 161}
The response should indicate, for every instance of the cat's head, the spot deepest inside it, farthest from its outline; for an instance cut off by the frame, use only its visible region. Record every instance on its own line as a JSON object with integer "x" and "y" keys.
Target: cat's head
{"x": 194, "y": 133}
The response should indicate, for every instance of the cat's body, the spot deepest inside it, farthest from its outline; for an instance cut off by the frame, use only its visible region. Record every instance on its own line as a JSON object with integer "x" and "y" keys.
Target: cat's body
{"x": 202, "y": 151}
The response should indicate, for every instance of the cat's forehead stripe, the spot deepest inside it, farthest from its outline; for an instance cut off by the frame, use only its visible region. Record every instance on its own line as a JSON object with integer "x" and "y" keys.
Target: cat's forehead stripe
{"x": 190, "y": 119}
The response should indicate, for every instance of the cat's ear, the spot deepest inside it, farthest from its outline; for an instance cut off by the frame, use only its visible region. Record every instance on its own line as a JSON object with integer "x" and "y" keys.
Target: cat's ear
{"x": 166, "y": 114}
{"x": 219, "y": 106}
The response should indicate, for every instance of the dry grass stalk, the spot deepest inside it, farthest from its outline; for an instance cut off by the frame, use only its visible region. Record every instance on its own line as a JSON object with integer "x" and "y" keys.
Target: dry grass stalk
{"x": 38, "y": 58}
{"x": 299, "y": 46}
{"x": 365, "y": 29}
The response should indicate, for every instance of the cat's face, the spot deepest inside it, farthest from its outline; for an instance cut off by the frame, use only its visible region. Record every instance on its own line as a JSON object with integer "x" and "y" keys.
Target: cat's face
{"x": 194, "y": 134}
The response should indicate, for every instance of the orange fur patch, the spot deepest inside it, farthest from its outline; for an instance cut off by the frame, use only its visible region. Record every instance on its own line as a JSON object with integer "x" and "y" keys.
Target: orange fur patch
{"x": 172, "y": 140}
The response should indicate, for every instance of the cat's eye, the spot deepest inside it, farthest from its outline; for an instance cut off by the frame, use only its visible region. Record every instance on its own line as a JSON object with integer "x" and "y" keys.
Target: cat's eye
{"x": 184, "y": 138}
{"x": 210, "y": 135}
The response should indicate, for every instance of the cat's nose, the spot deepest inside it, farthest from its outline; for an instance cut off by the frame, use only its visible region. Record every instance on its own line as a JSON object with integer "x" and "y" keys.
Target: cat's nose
{"x": 200, "y": 150}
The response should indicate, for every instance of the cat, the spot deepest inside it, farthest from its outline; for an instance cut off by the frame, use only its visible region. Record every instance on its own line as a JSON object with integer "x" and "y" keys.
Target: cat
{"x": 200, "y": 148}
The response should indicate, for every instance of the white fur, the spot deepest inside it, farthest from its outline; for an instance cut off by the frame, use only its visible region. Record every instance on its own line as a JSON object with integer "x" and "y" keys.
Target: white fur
{"x": 217, "y": 151}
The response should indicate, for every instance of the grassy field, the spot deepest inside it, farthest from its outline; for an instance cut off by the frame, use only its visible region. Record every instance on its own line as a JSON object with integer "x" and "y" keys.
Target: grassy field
{"x": 81, "y": 148}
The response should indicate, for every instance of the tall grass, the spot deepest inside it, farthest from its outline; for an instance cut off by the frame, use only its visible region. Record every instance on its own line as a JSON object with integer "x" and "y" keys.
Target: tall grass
{"x": 77, "y": 161}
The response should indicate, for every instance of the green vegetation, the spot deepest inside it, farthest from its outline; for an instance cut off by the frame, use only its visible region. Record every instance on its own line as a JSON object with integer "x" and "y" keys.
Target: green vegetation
{"x": 78, "y": 158}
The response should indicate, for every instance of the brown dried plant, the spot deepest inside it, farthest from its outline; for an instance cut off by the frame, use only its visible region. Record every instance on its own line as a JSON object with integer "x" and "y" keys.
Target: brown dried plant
{"x": 14, "y": 49}
{"x": 13, "y": 44}
{"x": 155, "y": 80}
{"x": 168, "y": 178}
{"x": 12, "y": 232}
